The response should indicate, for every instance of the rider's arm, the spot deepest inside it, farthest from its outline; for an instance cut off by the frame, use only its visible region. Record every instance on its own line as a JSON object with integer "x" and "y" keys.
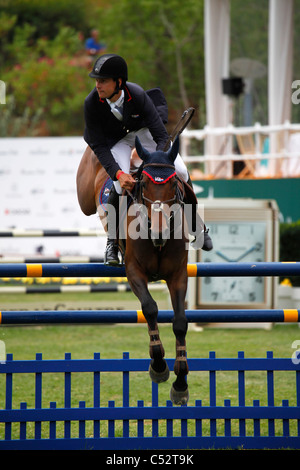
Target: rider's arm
{"x": 94, "y": 137}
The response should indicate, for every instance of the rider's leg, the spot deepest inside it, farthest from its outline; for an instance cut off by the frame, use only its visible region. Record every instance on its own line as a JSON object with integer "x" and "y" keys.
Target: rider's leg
{"x": 195, "y": 224}
{"x": 202, "y": 239}
{"x": 111, "y": 251}
{"x": 121, "y": 153}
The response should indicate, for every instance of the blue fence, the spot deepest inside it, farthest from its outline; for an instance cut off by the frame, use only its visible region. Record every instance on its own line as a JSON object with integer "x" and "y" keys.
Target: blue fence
{"x": 211, "y": 422}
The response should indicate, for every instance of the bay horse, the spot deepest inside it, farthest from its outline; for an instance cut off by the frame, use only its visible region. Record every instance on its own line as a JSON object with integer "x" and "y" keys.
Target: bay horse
{"x": 155, "y": 249}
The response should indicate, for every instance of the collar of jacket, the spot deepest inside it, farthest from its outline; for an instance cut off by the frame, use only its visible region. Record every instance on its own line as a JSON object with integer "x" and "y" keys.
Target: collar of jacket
{"x": 127, "y": 96}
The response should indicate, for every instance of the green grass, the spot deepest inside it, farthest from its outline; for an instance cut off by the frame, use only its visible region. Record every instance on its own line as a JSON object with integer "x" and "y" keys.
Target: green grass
{"x": 112, "y": 340}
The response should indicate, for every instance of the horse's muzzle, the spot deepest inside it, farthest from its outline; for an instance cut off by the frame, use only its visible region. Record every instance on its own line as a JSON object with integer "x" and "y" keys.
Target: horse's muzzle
{"x": 160, "y": 223}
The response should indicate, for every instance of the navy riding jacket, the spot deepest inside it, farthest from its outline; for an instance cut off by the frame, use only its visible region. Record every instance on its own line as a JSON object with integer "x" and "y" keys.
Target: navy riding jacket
{"x": 103, "y": 130}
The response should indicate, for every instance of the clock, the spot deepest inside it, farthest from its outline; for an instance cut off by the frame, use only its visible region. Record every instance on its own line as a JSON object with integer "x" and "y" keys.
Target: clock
{"x": 235, "y": 242}
{"x": 242, "y": 230}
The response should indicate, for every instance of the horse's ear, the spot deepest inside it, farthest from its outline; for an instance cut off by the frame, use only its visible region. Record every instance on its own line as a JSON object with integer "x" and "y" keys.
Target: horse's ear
{"x": 141, "y": 151}
{"x": 173, "y": 152}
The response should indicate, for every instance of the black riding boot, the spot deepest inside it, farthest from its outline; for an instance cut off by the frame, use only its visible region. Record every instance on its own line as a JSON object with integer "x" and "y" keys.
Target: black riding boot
{"x": 112, "y": 250}
{"x": 202, "y": 237}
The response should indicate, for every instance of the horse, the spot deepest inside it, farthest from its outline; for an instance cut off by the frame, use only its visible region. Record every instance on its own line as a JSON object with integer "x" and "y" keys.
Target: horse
{"x": 155, "y": 248}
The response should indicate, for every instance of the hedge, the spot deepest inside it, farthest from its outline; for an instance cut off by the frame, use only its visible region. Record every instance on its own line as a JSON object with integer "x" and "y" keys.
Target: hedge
{"x": 290, "y": 246}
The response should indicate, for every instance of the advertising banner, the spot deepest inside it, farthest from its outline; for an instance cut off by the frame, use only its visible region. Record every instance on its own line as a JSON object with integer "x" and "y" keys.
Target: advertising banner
{"x": 38, "y": 191}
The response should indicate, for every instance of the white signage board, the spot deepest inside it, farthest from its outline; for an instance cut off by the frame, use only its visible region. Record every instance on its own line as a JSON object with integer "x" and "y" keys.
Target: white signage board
{"x": 38, "y": 191}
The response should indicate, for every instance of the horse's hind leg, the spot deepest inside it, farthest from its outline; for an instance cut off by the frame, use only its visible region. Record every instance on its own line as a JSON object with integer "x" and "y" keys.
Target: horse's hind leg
{"x": 158, "y": 370}
{"x": 179, "y": 393}
{"x": 87, "y": 173}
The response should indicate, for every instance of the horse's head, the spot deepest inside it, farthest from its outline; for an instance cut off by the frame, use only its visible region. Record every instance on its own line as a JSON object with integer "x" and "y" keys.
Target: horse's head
{"x": 159, "y": 189}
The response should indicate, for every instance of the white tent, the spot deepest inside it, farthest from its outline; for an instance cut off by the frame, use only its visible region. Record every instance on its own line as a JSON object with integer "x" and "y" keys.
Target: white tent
{"x": 217, "y": 49}
{"x": 280, "y": 68}
{"x": 217, "y": 59}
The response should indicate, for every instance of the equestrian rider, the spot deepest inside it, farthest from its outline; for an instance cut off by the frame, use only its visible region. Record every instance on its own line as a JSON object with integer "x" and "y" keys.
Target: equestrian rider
{"x": 116, "y": 111}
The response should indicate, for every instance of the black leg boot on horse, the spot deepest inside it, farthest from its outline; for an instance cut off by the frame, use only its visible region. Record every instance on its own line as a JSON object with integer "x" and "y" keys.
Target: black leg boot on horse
{"x": 111, "y": 254}
{"x": 197, "y": 227}
{"x": 157, "y": 353}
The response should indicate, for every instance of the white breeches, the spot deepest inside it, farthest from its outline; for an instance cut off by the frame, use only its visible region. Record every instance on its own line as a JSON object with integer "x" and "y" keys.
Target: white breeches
{"x": 122, "y": 153}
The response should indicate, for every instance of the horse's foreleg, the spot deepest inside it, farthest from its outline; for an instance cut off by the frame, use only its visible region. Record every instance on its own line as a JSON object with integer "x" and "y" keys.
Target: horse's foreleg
{"x": 179, "y": 391}
{"x": 159, "y": 371}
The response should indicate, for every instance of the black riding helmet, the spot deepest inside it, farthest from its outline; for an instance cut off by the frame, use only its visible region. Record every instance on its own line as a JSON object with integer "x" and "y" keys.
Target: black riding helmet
{"x": 110, "y": 66}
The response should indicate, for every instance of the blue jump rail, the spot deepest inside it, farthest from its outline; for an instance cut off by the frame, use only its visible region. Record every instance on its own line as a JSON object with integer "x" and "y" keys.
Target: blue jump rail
{"x": 136, "y": 316}
{"x": 194, "y": 269}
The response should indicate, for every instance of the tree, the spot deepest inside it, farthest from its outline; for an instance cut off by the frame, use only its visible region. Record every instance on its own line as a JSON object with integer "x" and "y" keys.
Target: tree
{"x": 163, "y": 44}
{"x": 45, "y": 81}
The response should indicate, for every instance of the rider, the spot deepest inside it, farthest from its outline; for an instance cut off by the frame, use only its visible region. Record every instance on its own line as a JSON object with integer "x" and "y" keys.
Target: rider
{"x": 116, "y": 111}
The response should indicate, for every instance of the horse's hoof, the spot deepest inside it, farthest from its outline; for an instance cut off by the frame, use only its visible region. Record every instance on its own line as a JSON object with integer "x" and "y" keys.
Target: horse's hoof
{"x": 159, "y": 377}
{"x": 179, "y": 398}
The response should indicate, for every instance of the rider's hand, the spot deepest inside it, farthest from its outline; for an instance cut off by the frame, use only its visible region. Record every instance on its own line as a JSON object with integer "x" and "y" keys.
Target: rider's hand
{"x": 126, "y": 181}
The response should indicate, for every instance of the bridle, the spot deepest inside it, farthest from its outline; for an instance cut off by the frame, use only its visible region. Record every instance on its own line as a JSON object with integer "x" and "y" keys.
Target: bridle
{"x": 157, "y": 206}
